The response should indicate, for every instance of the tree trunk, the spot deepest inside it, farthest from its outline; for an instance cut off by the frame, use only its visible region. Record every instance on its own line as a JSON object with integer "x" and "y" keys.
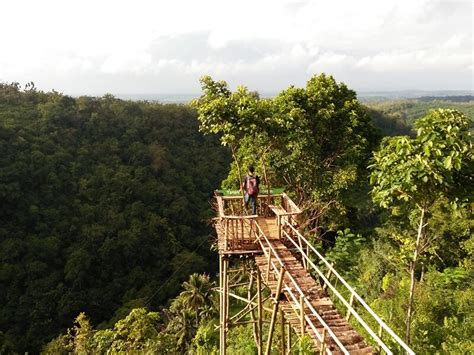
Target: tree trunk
{"x": 410, "y": 310}
{"x": 266, "y": 178}
{"x": 232, "y": 148}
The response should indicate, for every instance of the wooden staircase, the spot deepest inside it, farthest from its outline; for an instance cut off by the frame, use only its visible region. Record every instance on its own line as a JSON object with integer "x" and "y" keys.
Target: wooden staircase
{"x": 283, "y": 257}
{"x": 319, "y": 299}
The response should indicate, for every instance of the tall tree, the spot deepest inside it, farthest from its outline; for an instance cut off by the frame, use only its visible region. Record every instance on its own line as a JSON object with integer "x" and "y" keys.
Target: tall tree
{"x": 315, "y": 140}
{"x": 417, "y": 173}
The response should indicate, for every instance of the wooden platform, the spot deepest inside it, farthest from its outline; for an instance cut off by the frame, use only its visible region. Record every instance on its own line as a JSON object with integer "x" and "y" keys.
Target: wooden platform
{"x": 244, "y": 243}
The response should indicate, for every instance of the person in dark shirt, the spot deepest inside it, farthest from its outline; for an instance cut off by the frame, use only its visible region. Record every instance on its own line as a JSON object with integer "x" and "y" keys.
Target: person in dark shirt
{"x": 251, "y": 189}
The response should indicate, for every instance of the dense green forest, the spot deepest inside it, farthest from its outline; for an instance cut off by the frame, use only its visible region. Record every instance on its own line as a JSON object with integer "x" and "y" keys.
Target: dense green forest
{"x": 104, "y": 207}
{"x": 105, "y": 203}
{"x": 395, "y": 117}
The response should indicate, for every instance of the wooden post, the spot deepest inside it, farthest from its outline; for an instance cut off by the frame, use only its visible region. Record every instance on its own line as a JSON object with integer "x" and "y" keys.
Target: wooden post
{"x": 302, "y": 321}
{"x": 252, "y": 311}
{"x": 279, "y": 226}
{"x": 328, "y": 275}
{"x": 380, "y": 336}
{"x": 221, "y": 304}
{"x": 303, "y": 259}
{"x": 351, "y": 302}
{"x": 275, "y": 311}
{"x": 323, "y": 343}
{"x": 226, "y": 235}
{"x": 282, "y": 332}
{"x": 224, "y": 306}
{"x": 260, "y": 312}
{"x": 269, "y": 260}
{"x": 288, "y": 341}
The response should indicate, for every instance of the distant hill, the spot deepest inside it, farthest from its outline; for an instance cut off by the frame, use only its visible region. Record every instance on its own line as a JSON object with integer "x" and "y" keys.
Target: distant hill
{"x": 425, "y": 95}
{"x": 396, "y": 117}
{"x": 462, "y": 98}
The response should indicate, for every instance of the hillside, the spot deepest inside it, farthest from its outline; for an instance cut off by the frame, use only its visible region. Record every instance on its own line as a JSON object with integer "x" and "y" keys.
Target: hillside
{"x": 103, "y": 208}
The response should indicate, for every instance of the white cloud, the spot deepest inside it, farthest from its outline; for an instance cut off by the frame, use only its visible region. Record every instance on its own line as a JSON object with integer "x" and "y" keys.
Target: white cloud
{"x": 264, "y": 42}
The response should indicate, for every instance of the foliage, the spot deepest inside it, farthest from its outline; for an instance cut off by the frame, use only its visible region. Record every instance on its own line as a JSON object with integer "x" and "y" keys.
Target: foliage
{"x": 423, "y": 169}
{"x": 101, "y": 212}
{"x": 101, "y": 209}
{"x": 142, "y": 331}
{"x": 313, "y": 140}
{"x": 206, "y": 340}
{"x": 421, "y": 172}
{"x": 304, "y": 346}
{"x": 406, "y": 112}
{"x": 344, "y": 254}
{"x": 240, "y": 341}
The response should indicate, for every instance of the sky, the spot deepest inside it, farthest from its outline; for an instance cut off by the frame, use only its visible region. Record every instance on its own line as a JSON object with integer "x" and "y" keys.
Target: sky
{"x": 138, "y": 47}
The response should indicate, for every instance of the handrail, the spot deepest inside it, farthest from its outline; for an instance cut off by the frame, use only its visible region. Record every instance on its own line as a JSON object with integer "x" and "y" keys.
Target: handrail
{"x": 353, "y": 293}
{"x": 264, "y": 195}
{"x": 307, "y": 302}
{"x": 234, "y": 217}
{"x": 349, "y": 307}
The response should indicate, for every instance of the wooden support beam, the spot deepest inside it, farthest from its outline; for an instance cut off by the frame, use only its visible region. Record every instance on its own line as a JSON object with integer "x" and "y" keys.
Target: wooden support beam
{"x": 328, "y": 275}
{"x": 233, "y": 295}
{"x": 260, "y": 312}
{"x": 269, "y": 260}
{"x": 282, "y": 319}
{"x": 303, "y": 259}
{"x": 221, "y": 305}
{"x": 252, "y": 313}
{"x": 323, "y": 344}
{"x": 224, "y": 303}
{"x": 288, "y": 341}
{"x": 351, "y": 302}
{"x": 302, "y": 313}
{"x": 275, "y": 310}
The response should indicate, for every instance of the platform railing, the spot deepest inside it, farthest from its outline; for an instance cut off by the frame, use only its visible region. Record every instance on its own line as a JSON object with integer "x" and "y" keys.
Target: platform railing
{"x": 304, "y": 246}
{"x": 300, "y": 301}
{"x": 234, "y": 205}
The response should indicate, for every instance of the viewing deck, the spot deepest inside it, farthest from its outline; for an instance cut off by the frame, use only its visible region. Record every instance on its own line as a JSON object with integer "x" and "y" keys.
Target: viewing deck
{"x": 236, "y": 228}
{"x": 298, "y": 280}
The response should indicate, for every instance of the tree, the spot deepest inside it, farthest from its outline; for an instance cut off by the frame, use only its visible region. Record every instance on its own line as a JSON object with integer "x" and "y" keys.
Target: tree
{"x": 230, "y": 114}
{"x": 316, "y": 138}
{"x": 199, "y": 295}
{"x": 417, "y": 173}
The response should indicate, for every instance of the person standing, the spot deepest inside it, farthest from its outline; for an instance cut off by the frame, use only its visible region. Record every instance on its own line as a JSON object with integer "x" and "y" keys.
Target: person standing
{"x": 251, "y": 188}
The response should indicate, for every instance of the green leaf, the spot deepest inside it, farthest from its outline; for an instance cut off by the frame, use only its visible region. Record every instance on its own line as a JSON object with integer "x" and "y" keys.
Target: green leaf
{"x": 448, "y": 163}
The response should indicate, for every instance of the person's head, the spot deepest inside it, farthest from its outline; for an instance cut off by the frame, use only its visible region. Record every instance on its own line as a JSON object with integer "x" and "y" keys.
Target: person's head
{"x": 251, "y": 169}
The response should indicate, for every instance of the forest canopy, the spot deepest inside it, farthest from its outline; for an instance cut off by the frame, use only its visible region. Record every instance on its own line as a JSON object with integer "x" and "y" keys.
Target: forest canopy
{"x": 103, "y": 208}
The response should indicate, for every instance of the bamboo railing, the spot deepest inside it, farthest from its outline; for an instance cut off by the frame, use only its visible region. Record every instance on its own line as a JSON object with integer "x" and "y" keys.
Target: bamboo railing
{"x": 302, "y": 245}
{"x": 300, "y": 301}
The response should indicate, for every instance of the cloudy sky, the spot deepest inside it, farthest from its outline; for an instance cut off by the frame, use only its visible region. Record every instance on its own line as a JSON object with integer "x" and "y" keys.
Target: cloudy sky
{"x": 139, "y": 47}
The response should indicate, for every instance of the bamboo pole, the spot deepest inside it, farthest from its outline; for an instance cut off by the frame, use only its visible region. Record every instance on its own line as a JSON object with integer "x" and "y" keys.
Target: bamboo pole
{"x": 282, "y": 319}
{"x": 288, "y": 341}
{"x": 301, "y": 246}
{"x": 252, "y": 313}
{"x": 328, "y": 275}
{"x": 275, "y": 311}
{"x": 351, "y": 302}
{"x": 302, "y": 324}
{"x": 260, "y": 312}
{"x": 225, "y": 304}
{"x": 323, "y": 343}
{"x": 221, "y": 304}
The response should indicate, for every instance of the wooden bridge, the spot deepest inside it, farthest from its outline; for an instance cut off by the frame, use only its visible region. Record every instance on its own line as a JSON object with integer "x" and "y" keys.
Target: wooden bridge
{"x": 297, "y": 279}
